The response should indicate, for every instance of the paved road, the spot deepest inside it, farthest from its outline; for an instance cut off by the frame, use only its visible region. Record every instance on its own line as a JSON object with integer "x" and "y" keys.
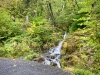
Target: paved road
{"x": 20, "y": 67}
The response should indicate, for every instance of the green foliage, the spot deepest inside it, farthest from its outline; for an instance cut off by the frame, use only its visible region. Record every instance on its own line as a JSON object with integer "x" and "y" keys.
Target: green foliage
{"x": 18, "y": 46}
{"x": 31, "y": 38}
{"x": 32, "y": 56}
{"x": 42, "y": 30}
{"x": 38, "y": 33}
{"x": 82, "y": 72}
{"x": 7, "y": 27}
{"x": 78, "y": 22}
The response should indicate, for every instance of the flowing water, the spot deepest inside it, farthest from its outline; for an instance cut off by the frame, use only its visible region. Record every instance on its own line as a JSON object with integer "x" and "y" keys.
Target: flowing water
{"x": 53, "y": 56}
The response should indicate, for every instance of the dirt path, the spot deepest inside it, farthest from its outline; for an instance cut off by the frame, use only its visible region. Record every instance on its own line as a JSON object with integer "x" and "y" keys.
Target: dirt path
{"x": 20, "y": 67}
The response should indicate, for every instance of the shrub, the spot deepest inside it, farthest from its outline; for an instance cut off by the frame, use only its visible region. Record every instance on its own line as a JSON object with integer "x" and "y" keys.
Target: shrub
{"x": 7, "y": 27}
{"x": 82, "y": 72}
{"x": 19, "y": 46}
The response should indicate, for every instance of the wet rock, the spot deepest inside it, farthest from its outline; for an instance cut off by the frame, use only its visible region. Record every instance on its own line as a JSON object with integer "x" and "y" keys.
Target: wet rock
{"x": 40, "y": 59}
{"x": 46, "y": 47}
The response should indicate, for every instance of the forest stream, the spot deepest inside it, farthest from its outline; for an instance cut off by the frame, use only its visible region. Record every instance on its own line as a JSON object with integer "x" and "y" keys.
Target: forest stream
{"x": 53, "y": 56}
{"x": 34, "y": 39}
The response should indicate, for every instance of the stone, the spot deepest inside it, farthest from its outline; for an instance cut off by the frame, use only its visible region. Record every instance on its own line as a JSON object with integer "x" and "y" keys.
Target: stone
{"x": 22, "y": 67}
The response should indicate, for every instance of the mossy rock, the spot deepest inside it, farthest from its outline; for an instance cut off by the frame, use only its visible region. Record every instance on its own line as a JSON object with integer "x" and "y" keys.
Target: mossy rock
{"x": 70, "y": 45}
{"x": 72, "y": 41}
{"x": 71, "y": 60}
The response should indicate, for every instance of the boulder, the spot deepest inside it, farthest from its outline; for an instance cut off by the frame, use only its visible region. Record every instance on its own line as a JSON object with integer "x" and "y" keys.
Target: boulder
{"x": 21, "y": 67}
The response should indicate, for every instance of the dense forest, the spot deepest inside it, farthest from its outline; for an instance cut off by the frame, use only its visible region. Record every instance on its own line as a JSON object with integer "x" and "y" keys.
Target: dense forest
{"x": 30, "y": 27}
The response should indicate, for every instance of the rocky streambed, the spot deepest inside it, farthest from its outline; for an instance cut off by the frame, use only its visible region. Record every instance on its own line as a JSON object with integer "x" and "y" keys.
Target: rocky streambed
{"x": 52, "y": 57}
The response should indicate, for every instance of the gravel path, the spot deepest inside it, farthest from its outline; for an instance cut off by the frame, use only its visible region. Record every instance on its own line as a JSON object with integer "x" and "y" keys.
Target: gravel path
{"x": 21, "y": 67}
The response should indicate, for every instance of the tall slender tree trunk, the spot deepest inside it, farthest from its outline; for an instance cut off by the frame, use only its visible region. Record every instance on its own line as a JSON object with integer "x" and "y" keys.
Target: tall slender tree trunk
{"x": 51, "y": 13}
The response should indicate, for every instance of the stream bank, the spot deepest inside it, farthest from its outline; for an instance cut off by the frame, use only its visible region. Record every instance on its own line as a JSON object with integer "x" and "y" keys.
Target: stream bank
{"x": 78, "y": 52}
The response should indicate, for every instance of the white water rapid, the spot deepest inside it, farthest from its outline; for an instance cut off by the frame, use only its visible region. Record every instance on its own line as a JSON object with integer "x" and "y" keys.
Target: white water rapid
{"x": 53, "y": 57}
